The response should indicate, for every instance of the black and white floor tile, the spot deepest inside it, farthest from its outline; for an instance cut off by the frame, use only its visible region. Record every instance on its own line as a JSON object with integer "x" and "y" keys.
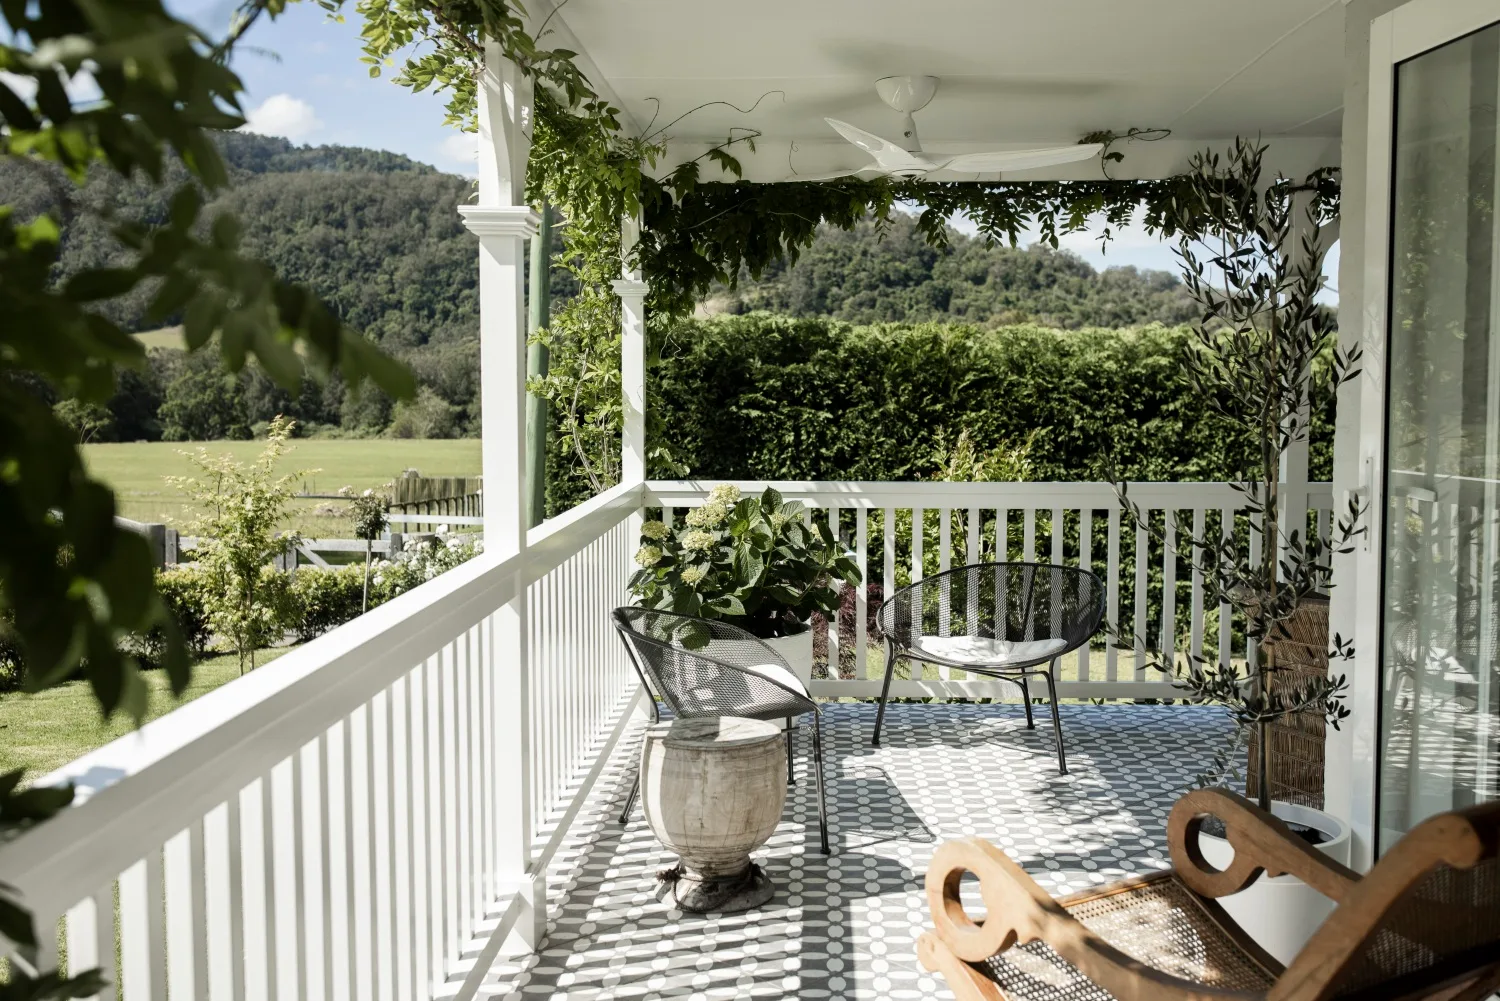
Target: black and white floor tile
{"x": 845, "y": 925}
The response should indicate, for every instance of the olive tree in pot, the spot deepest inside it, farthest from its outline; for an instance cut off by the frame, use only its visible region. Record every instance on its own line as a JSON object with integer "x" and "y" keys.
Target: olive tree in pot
{"x": 759, "y": 563}
{"x": 1262, "y": 352}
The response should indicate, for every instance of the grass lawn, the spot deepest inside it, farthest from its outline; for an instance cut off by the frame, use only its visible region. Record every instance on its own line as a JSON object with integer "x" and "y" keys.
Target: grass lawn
{"x": 43, "y": 731}
{"x": 136, "y": 469}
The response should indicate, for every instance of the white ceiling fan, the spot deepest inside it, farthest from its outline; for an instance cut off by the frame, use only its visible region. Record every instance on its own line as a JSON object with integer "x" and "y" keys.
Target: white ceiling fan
{"x": 905, "y": 159}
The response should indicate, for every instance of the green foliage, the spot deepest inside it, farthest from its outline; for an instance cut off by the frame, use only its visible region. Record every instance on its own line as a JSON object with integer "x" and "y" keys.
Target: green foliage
{"x": 891, "y": 273}
{"x": 244, "y": 507}
{"x": 1253, "y": 365}
{"x": 322, "y": 598}
{"x": 775, "y": 398}
{"x": 367, "y": 512}
{"x": 759, "y": 563}
{"x": 203, "y": 404}
{"x": 89, "y": 421}
{"x": 182, "y": 588}
{"x": 426, "y": 416}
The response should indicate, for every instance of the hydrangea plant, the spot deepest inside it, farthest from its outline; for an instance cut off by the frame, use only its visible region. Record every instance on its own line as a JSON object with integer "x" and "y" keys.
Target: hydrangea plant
{"x": 760, "y": 563}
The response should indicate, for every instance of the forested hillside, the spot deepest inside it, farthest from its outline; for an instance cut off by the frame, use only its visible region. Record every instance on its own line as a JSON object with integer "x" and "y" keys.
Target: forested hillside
{"x": 376, "y": 234}
{"x": 867, "y": 275}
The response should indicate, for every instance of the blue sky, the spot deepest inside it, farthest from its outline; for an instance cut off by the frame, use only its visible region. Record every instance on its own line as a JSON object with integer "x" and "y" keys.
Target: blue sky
{"x": 304, "y": 81}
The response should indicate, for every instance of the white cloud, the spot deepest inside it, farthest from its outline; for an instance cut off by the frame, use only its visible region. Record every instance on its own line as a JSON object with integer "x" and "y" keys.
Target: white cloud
{"x": 462, "y": 148}
{"x": 284, "y": 115}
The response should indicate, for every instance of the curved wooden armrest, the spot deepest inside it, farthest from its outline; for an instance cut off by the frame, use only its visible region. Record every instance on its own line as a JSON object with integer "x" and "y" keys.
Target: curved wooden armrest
{"x": 1020, "y": 911}
{"x": 1261, "y": 843}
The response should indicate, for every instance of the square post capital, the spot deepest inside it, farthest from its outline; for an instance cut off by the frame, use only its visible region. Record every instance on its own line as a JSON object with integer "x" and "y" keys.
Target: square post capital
{"x": 517, "y": 221}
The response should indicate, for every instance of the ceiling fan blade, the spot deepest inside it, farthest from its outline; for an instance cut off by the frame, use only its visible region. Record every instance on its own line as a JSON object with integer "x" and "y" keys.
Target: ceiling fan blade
{"x": 867, "y": 171}
{"x": 867, "y": 141}
{"x": 1020, "y": 159}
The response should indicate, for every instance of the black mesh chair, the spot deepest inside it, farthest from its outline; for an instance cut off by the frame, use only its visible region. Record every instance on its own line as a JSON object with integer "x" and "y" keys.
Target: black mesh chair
{"x": 727, "y": 672}
{"x": 1001, "y": 620}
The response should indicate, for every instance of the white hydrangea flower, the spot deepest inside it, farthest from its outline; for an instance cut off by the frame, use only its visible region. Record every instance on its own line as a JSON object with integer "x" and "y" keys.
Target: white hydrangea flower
{"x": 648, "y": 556}
{"x": 694, "y": 574}
{"x": 455, "y": 544}
{"x": 725, "y": 493}
{"x": 699, "y": 541}
{"x": 377, "y": 579}
{"x": 656, "y": 531}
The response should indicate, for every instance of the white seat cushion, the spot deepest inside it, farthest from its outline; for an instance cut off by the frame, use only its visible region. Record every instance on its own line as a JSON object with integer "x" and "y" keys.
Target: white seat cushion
{"x": 991, "y": 653}
{"x": 780, "y": 675}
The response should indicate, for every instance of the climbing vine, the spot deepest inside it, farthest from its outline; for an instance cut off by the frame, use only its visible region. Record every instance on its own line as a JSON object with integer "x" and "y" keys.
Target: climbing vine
{"x": 697, "y": 233}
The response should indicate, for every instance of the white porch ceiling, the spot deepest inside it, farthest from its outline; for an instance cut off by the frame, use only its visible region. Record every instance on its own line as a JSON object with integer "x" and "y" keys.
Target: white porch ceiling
{"x": 1015, "y": 74}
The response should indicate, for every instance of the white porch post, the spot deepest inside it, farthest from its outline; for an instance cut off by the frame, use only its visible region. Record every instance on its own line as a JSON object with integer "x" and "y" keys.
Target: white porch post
{"x": 504, "y": 224}
{"x": 632, "y": 292}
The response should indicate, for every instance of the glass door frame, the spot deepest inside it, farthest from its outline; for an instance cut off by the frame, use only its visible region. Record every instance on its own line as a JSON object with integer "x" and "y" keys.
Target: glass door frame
{"x": 1402, "y": 34}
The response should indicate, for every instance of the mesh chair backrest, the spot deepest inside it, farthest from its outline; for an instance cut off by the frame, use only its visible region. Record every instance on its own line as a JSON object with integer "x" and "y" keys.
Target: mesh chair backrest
{"x": 1432, "y": 907}
{"x": 1001, "y": 601}
{"x": 690, "y": 664}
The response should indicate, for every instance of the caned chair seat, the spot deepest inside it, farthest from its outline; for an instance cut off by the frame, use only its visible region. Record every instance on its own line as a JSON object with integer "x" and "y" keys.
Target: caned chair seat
{"x": 1154, "y": 920}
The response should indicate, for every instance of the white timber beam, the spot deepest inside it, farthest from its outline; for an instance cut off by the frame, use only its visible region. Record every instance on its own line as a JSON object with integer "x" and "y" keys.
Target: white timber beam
{"x": 504, "y": 225}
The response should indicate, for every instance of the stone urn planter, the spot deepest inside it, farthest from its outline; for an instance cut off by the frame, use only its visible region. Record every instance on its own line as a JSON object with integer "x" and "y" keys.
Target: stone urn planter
{"x": 712, "y": 789}
{"x": 797, "y": 650}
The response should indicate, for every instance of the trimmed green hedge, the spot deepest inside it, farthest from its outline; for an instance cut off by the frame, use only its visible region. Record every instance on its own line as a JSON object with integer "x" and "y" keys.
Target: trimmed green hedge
{"x": 766, "y": 397}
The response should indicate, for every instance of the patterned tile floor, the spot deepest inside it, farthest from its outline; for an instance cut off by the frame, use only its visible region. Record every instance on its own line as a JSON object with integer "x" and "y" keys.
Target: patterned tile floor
{"x": 844, "y": 926}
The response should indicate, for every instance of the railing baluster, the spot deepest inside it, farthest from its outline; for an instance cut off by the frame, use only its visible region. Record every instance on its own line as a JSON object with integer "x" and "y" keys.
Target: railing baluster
{"x": 1112, "y": 595}
{"x": 888, "y": 545}
{"x": 1226, "y": 529}
{"x": 1142, "y": 576}
{"x": 1086, "y": 561}
{"x": 1168, "y": 642}
{"x": 862, "y": 592}
{"x": 361, "y": 892}
{"x": 1195, "y": 639}
{"x": 1028, "y": 536}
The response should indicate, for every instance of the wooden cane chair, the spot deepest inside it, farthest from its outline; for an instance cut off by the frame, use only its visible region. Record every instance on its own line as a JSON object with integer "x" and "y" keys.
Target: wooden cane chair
{"x": 1424, "y": 923}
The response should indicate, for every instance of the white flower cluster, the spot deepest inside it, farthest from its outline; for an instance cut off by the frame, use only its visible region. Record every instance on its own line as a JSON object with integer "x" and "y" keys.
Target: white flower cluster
{"x": 656, "y": 531}
{"x": 694, "y": 574}
{"x": 648, "y": 556}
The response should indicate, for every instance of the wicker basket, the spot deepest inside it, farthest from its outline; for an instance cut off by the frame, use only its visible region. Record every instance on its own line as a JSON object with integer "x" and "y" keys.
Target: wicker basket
{"x": 1297, "y": 740}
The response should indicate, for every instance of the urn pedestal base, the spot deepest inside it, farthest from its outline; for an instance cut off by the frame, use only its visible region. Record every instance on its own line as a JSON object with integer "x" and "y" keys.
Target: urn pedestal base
{"x": 723, "y": 894}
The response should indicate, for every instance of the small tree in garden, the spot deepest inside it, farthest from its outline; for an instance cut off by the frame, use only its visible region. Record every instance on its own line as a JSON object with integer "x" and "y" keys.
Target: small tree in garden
{"x": 245, "y": 505}
{"x": 368, "y": 512}
{"x": 1259, "y": 351}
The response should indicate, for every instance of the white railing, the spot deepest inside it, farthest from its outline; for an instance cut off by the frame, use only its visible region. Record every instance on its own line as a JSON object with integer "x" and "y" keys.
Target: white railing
{"x": 963, "y": 521}
{"x": 337, "y": 824}
{"x": 328, "y": 825}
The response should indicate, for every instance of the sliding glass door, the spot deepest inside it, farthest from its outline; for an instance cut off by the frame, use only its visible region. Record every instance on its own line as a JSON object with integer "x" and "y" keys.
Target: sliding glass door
{"x": 1439, "y": 713}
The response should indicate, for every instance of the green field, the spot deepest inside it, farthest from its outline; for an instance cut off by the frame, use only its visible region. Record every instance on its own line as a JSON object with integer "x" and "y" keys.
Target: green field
{"x": 44, "y": 731}
{"x": 136, "y": 471}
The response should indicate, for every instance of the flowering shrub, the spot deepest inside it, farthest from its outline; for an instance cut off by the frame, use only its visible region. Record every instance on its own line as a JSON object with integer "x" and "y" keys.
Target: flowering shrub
{"x": 756, "y": 562}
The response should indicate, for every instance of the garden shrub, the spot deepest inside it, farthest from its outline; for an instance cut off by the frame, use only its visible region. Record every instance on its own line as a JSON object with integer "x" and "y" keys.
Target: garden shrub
{"x": 322, "y": 598}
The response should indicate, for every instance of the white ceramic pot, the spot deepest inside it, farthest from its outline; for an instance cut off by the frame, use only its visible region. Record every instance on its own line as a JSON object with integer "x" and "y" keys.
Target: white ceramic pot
{"x": 1281, "y": 914}
{"x": 798, "y": 652}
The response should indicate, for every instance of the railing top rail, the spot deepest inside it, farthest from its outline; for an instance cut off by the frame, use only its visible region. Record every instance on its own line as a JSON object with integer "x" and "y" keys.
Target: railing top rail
{"x": 874, "y": 494}
{"x": 186, "y": 763}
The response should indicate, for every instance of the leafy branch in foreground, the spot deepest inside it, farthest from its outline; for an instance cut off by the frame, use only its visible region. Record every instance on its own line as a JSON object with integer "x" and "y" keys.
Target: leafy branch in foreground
{"x": 118, "y": 86}
{"x": 1262, "y": 350}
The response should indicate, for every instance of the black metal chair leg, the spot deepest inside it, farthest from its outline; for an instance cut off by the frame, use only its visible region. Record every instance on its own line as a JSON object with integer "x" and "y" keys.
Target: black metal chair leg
{"x": 635, "y": 790}
{"x": 885, "y": 689}
{"x": 791, "y": 778}
{"x": 1026, "y": 700}
{"x": 1062, "y": 757}
{"x": 818, "y": 775}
